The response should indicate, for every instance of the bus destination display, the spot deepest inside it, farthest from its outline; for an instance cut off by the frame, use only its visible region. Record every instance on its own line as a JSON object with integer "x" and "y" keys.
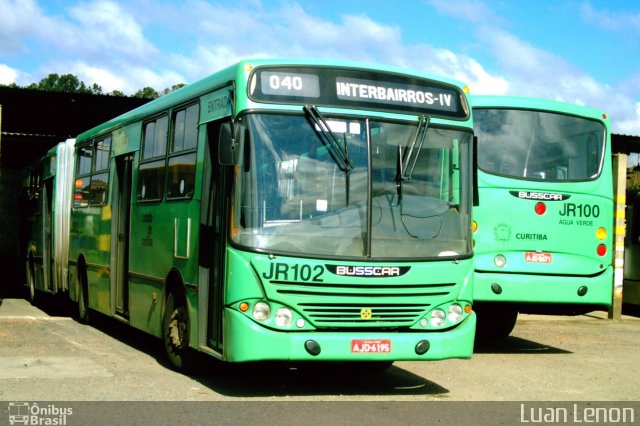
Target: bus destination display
{"x": 355, "y": 89}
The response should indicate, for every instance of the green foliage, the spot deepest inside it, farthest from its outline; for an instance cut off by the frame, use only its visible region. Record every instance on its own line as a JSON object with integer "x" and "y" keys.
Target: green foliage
{"x": 147, "y": 93}
{"x": 69, "y": 83}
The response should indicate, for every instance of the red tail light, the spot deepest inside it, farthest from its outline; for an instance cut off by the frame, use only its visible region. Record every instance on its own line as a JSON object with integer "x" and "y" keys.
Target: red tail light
{"x": 602, "y": 250}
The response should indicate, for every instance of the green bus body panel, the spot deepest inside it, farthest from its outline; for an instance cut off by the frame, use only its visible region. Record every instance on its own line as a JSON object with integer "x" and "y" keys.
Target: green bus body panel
{"x": 249, "y": 342}
{"x": 216, "y": 105}
{"x": 508, "y": 225}
{"x": 326, "y": 301}
{"x": 126, "y": 139}
{"x": 548, "y": 288}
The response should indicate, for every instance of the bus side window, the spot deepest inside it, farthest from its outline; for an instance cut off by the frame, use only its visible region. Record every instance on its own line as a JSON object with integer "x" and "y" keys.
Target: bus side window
{"x": 82, "y": 184}
{"x": 182, "y": 157}
{"x": 100, "y": 178}
{"x": 152, "y": 163}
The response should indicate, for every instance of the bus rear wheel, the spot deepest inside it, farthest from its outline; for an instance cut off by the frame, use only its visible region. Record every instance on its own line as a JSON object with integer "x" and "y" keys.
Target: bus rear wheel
{"x": 495, "y": 321}
{"x": 175, "y": 332}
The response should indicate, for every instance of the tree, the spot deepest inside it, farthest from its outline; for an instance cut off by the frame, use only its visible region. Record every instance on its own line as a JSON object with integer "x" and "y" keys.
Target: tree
{"x": 67, "y": 83}
{"x": 173, "y": 88}
{"x": 147, "y": 93}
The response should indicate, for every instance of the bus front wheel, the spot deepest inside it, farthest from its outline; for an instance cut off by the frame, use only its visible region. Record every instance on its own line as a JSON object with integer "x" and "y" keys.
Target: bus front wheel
{"x": 175, "y": 331}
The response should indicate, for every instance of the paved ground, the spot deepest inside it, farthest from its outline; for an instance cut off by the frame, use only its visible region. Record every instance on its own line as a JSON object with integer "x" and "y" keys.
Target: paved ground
{"x": 45, "y": 356}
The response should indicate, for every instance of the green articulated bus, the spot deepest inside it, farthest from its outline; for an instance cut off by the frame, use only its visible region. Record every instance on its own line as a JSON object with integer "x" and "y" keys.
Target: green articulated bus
{"x": 543, "y": 229}
{"x": 283, "y": 210}
{"x": 47, "y": 191}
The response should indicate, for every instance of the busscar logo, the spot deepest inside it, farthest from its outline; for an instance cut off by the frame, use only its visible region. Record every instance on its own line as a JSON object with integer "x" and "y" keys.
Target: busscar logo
{"x": 26, "y": 413}
{"x": 542, "y": 196}
{"x": 368, "y": 271}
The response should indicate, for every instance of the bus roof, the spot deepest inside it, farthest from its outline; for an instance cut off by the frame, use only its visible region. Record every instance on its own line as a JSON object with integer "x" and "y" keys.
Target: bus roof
{"x": 238, "y": 72}
{"x": 520, "y": 102}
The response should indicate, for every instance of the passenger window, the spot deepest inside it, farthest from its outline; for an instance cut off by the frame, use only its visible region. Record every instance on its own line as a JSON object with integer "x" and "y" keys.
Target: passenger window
{"x": 152, "y": 164}
{"x": 92, "y": 174}
{"x": 182, "y": 160}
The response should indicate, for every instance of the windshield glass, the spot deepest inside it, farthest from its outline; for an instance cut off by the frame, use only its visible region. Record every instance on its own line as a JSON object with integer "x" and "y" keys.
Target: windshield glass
{"x": 292, "y": 193}
{"x": 538, "y": 145}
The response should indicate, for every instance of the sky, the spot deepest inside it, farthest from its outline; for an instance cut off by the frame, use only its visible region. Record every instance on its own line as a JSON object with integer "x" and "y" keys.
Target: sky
{"x": 580, "y": 51}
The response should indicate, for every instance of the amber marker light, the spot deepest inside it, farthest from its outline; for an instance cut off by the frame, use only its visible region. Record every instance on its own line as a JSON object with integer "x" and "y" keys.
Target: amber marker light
{"x": 474, "y": 226}
{"x": 244, "y": 307}
{"x": 467, "y": 309}
{"x": 601, "y": 233}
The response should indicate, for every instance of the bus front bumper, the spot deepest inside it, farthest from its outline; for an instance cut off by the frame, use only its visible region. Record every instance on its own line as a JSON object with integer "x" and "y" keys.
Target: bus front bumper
{"x": 247, "y": 341}
{"x": 530, "y": 288}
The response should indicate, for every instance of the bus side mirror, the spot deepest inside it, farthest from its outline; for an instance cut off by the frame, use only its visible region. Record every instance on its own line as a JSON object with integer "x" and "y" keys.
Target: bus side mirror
{"x": 228, "y": 144}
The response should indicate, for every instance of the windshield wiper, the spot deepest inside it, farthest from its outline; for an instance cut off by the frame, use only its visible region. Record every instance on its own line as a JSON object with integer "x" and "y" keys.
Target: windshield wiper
{"x": 407, "y": 159}
{"x": 328, "y": 139}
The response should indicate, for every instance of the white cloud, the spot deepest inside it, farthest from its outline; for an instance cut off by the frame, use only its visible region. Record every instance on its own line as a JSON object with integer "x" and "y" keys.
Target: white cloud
{"x": 608, "y": 20}
{"x": 7, "y": 74}
{"x": 114, "y": 45}
{"x": 103, "y": 30}
{"x": 531, "y": 71}
{"x": 18, "y": 20}
{"x": 128, "y": 80}
{"x": 473, "y": 11}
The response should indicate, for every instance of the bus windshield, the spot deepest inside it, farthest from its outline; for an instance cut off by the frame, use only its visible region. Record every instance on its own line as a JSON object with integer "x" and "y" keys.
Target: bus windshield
{"x": 293, "y": 193}
{"x": 536, "y": 145}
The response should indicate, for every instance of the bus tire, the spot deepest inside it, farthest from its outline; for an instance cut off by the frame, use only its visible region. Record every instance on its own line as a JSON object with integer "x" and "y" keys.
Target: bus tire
{"x": 495, "y": 321}
{"x": 175, "y": 331}
{"x": 83, "y": 296}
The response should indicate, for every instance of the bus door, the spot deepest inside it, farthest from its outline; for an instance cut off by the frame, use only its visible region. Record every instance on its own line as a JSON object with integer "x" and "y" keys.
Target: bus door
{"x": 121, "y": 210}
{"x": 47, "y": 235}
{"x": 214, "y": 108}
{"x": 212, "y": 242}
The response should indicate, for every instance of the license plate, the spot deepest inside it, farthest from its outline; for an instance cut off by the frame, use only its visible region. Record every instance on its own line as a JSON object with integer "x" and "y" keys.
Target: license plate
{"x": 537, "y": 257}
{"x": 370, "y": 346}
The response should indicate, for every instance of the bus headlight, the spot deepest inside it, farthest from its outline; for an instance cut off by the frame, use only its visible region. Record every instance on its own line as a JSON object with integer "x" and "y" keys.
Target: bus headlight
{"x": 283, "y": 317}
{"x": 455, "y": 313}
{"x": 437, "y": 317}
{"x": 261, "y": 311}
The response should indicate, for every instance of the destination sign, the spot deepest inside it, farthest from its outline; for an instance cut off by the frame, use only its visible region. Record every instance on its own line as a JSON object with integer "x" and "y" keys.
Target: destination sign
{"x": 355, "y": 88}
